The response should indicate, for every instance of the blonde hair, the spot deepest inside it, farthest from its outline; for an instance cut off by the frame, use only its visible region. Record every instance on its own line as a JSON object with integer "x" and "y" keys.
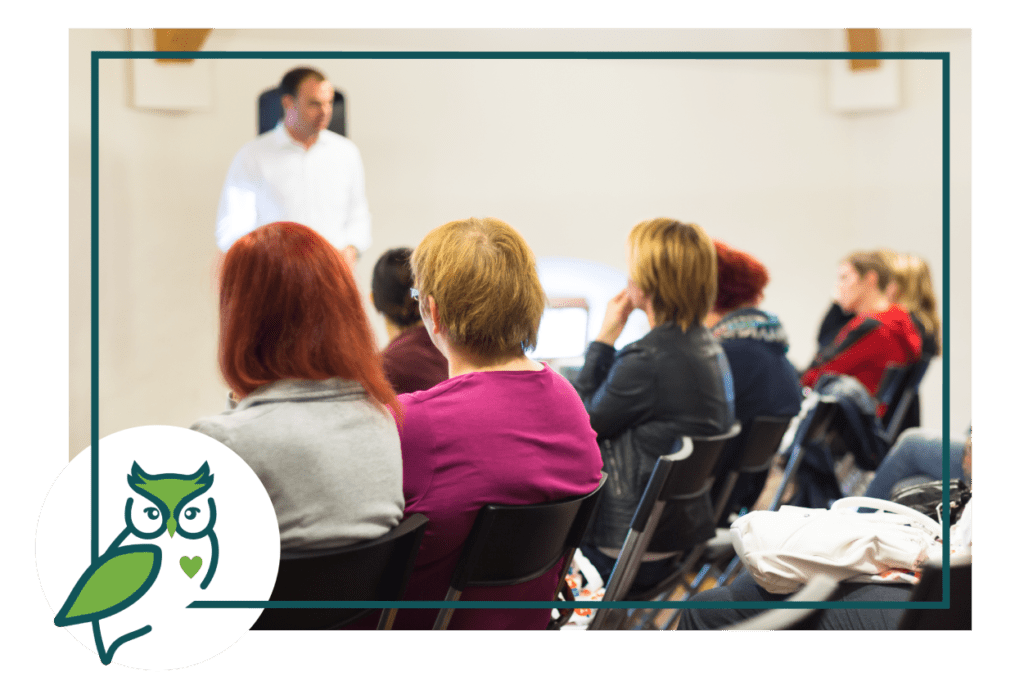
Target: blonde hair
{"x": 483, "y": 277}
{"x": 915, "y": 294}
{"x": 676, "y": 265}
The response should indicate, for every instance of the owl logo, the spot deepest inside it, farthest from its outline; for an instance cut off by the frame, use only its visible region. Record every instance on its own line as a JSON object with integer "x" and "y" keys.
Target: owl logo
{"x": 123, "y": 574}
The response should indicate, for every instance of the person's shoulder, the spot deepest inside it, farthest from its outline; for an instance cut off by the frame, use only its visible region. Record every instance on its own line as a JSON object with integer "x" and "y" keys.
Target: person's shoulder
{"x": 220, "y": 427}
{"x": 262, "y": 142}
{"x": 423, "y": 399}
{"x": 338, "y": 142}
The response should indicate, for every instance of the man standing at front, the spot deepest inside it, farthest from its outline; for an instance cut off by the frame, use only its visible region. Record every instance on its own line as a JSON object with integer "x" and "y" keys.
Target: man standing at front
{"x": 299, "y": 172}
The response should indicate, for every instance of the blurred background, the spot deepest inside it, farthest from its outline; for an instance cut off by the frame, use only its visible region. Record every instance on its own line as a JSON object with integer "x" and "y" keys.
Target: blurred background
{"x": 798, "y": 162}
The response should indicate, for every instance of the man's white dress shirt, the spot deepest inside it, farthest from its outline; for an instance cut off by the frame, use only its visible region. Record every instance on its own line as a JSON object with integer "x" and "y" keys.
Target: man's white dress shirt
{"x": 273, "y": 179}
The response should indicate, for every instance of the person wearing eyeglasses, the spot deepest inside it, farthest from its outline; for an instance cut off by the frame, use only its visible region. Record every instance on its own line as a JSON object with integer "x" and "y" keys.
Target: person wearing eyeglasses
{"x": 502, "y": 429}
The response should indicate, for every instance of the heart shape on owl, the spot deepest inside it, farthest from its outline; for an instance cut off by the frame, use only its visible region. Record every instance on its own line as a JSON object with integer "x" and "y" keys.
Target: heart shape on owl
{"x": 190, "y": 565}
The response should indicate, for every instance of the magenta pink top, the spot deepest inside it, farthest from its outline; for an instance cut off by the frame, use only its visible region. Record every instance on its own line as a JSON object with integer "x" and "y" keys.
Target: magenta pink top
{"x": 489, "y": 438}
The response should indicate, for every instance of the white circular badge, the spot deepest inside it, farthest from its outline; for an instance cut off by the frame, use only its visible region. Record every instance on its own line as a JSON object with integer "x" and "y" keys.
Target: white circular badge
{"x": 179, "y": 518}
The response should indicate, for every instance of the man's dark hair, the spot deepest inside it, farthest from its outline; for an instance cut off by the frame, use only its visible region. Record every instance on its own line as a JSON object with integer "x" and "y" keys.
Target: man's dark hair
{"x": 293, "y": 78}
{"x": 392, "y": 278}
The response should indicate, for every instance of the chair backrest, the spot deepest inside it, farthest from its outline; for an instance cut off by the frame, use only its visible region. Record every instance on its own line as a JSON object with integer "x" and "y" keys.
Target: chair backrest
{"x": 512, "y": 544}
{"x": 896, "y": 410}
{"x": 820, "y": 588}
{"x": 958, "y": 615}
{"x": 760, "y": 442}
{"x": 375, "y": 570}
{"x": 269, "y": 111}
{"x": 813, "y": 428}
{"x": 660, "y": 522}
{"x": 685, "y": 483}
{"x": 891, "y": 385}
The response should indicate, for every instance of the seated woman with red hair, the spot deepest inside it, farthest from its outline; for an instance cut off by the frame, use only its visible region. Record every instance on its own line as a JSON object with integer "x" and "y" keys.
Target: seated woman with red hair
{"x": 310, "y": 419}
{"x": 755, "y": 343}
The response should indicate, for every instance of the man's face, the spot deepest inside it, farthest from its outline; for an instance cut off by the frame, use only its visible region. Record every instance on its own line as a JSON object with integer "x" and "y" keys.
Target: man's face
{"x": 310, "y": 110}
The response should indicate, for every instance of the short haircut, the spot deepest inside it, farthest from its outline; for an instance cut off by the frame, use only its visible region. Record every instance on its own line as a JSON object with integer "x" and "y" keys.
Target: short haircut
{"x": 741, "y": 278}
{"x": 289, "y": 309}
{"x": 866, "y": 261}
{"x": 675, "y": 264}
{"x": 483, "y": 277}
{"x": 391, "y": 282}
{"x": 294, "y": 77}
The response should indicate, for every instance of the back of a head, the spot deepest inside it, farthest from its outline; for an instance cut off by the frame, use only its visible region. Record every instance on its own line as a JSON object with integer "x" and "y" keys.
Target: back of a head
{"x": 867, "y": 261}
{"x": 289, "y": 309}
{"x": 675, "y": 264}
{"x": 741, "y": 279}
{"x": 483, "y": 277}
{"x": 390, "y": 284}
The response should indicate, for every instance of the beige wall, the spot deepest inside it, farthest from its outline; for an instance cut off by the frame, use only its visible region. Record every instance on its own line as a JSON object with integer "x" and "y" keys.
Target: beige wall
{"x": 571, "y": 153}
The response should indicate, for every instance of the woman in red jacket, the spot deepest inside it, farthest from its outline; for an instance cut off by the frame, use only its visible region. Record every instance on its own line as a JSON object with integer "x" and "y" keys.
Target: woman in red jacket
{"x": 881, "y": 333}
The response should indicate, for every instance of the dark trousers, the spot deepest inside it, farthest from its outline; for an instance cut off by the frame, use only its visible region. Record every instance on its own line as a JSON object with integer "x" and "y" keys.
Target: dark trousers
{"x": 647, "y": 576}
{"x": 744, "y": 588}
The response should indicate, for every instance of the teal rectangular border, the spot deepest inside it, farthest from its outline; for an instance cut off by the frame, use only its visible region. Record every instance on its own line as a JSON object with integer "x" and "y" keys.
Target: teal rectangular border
{"x": 96, "y": 56}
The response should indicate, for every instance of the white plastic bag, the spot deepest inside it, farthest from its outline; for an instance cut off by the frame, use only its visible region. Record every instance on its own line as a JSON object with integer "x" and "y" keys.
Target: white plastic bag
{"x": 782, "y": 550}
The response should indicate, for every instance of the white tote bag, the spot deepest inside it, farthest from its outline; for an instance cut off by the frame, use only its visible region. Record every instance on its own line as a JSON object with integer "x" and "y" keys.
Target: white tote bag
{"x": 782, "y": 550}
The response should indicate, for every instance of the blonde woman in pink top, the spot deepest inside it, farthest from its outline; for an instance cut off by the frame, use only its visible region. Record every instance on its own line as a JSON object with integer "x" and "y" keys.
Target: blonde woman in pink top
{"x": 501, "y": 429}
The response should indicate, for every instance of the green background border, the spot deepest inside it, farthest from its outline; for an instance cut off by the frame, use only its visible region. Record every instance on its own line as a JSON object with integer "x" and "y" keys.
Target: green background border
{"x": 34, "y": 281}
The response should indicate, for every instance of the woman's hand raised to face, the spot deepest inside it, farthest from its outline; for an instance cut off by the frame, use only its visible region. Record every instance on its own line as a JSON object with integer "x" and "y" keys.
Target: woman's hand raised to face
{"x": 619, "y": 308}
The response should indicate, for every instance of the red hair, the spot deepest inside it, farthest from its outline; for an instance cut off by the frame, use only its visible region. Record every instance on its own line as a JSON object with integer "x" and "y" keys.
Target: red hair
{"x": 741, "y": 278}
{"x": 289, "y": 309}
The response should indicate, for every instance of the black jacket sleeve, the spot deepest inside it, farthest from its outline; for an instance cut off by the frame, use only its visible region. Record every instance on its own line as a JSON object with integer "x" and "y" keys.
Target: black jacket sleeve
{"x": 618, "y": 390}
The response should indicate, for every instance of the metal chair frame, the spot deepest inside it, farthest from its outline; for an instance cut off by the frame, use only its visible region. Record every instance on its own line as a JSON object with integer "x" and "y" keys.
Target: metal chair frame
{"x": 815, "y": 427}
{"x": 671, "y": 481}
{"x": 761, "y": 443}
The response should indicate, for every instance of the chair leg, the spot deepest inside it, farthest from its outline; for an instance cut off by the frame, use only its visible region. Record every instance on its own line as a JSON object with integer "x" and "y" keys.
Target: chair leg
{"x": 387, "y": 618}
{"x": 730, "y": 572}
{"x": 445, "y": 616}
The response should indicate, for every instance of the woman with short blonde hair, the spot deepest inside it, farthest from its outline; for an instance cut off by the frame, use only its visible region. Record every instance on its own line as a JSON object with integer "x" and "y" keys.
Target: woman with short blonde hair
{"x": 483, "y": 278}
{"x": 675, "y": 264}
{"x": 674, "y": 381}
{"x": 502, "y": 429}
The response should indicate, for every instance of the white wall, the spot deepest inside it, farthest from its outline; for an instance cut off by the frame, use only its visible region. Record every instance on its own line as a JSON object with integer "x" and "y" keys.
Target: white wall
{"x": 572, "y": 153}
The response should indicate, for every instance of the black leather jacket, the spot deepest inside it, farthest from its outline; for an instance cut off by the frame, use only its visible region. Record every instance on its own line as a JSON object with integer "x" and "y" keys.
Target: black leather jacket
{"x": 641, "y": 400}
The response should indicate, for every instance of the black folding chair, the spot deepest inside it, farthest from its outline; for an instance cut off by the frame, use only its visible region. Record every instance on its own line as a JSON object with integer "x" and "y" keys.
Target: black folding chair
{"x": 819, "y": 588}
{"x": 760, "y": 443}
{"x": 814, "y": 428}
{"x": 899, "y": 402}
{"x": 678, "y": 479}
{"x": 513, "y": 544}
{"x": 958, "y": 615}
{"x": 376, "y": 570}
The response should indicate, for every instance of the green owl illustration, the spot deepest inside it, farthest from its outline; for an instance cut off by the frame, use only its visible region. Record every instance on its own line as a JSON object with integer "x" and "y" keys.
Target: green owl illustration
{"x": 123, "y": 574}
